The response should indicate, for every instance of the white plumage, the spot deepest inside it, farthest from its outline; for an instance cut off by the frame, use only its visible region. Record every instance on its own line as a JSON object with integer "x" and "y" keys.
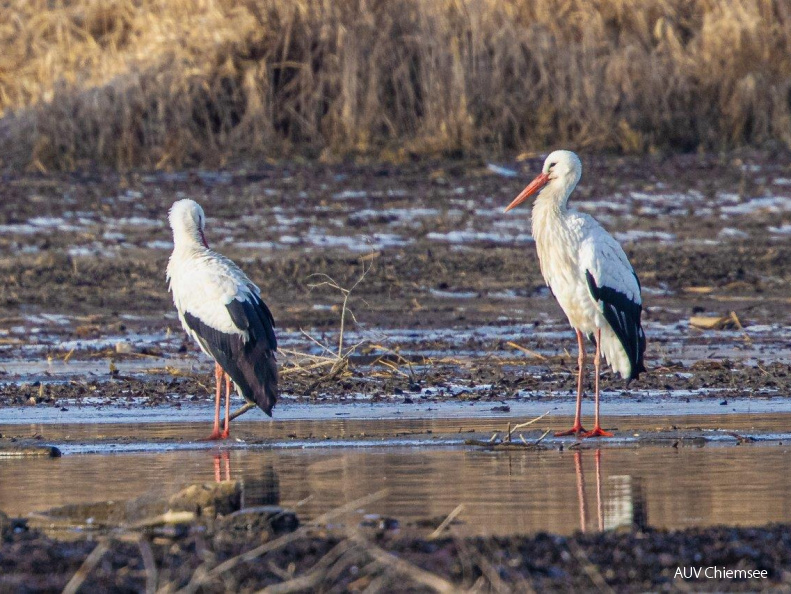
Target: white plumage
{"x": 204, "y": 284}
{"x": 222, "y": 310}
{"x": 588, "y": 272}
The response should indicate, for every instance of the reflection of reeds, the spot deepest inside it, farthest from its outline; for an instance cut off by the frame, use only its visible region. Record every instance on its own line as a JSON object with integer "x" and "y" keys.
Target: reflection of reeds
{"x": 169, "y": 84}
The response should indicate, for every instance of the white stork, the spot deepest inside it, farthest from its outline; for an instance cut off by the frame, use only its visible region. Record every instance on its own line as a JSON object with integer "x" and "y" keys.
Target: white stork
{"x": 223, "y": 311}
{"x": 589, "y": 275}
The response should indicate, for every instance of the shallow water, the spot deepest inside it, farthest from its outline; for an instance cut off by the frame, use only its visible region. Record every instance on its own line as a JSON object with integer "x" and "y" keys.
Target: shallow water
{"x": 503, "y": 492}
{"x": 626, "y": 413}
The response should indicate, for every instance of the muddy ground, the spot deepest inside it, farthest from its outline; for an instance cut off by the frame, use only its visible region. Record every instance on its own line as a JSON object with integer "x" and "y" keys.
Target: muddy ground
{"x": 451, "y": 280}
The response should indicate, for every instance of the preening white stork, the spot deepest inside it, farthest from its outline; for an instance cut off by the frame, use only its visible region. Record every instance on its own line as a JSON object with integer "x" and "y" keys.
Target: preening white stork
{"x": 223, "y": 311}
{"x": 589, "y": 274}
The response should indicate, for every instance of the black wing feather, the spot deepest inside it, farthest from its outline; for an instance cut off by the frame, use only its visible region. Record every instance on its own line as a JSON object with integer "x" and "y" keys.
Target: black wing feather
{"x": 250, "y": 364}
{"x": 623, "y": 315}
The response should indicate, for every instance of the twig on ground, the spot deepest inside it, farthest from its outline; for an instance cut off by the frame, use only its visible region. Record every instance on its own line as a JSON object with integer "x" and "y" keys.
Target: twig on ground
{"x": 589, "y": 568}
{"x": 526, "y": 424}
{"x": 203, "y": 575}
{"x": 543, "y": 435}
{"x": 241, "y": 410}
{"x": 87, "y": 566}
{"x": 738, "y": 323}
{"x": 402, "y": 566}
{"x": 149, "y": 564}
{"x": 332, "y": 283}
{"x": 446, "y": 522}
{"x": 526, "y": 351}
{"x": 314, "y": 576}
{"x": 506, "y": 443}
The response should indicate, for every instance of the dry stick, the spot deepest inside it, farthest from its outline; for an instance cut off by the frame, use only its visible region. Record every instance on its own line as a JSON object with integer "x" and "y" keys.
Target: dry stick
{"x": 451, "y": 516}
{"x": 402, "y": 566}
{"x": 533, "y": 354}
{"x": 296, "y": 368}
{"x": 241, "y": 410}
{"x": 294, "y": 353}
{"x": 738, "y": 323}
{"x": 401, "y": 358}
{"x": 332, "y": 283}
{"x": 313, "y": 576}
{"x": 491, "y": 573}
{"x": 540, "y": 439}
{"x": 201, "y": 576}
{"x": 589, "y": 568}
{"x": 392, "y": 366}
{"x": 281, "y": 573}
{"x": 380, "y": 582}
{"x": 149, "y": 564}
{"x": 510, "y": 431}
{"x": 87, "y": 566}
{"x": 309, "y": 337}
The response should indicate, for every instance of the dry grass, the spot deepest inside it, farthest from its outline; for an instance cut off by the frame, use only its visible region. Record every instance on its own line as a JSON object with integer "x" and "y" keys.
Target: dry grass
{"x": 158, "y": 83}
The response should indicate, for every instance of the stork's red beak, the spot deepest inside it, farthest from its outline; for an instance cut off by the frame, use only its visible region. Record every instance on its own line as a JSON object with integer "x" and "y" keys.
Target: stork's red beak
{"x": 533, "y": 187}
{"x": 203, "y": 239}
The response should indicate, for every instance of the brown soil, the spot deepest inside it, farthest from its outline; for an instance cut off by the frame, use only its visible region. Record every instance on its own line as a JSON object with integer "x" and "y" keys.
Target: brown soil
{"x": 423, "y": 284}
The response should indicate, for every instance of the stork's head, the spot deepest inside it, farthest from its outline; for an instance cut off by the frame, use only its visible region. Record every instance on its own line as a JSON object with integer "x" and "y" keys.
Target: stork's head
{"x": 187, "y": 221}
{"x": 561, "y": 172}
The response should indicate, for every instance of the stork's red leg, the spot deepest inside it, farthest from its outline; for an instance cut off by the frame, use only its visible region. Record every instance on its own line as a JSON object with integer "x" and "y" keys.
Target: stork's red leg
{"x": 227, "y": 431}
{"x": 577, "y": 429}
{"x": 597, "y": 430}
{"x": 218, "y": 373}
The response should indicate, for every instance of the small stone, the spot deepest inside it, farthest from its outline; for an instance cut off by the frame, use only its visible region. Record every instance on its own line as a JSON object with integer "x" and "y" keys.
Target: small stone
{"x": 209, "y": 499}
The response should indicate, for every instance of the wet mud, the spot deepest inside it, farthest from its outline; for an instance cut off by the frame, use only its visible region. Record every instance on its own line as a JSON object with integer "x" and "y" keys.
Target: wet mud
{"x": 452, "y": 288}
{"x": 329, "y": 559}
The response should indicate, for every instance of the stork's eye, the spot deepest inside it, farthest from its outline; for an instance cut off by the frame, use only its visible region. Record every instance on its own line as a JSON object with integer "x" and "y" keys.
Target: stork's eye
{"x": 551, "y": 165}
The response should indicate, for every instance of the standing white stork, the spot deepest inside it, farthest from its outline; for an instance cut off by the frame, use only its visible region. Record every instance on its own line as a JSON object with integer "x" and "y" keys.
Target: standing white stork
{"x": 590, "y": 276}
{"x": 223, "y": 311}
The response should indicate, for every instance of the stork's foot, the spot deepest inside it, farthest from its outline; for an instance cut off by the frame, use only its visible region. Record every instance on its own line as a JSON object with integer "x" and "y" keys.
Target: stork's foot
{"x": 216, "y": 435}
{"x": 575, "y": 430}
{"x": 598, "y": 432}
{"x": 225, "y": 434}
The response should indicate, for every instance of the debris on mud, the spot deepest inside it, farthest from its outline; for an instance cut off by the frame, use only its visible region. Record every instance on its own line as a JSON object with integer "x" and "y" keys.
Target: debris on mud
{"x": 24, "y": 448}
{"x": 355, "y": 557}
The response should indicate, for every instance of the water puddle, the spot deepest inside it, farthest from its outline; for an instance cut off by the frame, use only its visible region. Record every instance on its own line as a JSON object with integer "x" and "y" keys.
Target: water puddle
{"x": 502, "y": 492}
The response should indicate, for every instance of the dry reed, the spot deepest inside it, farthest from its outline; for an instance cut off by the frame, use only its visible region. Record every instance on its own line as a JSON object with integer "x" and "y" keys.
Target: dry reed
{"x": 155, "y": 83}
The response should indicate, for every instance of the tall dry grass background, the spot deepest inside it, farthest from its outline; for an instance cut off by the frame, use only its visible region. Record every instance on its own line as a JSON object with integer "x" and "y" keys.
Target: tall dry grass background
{"x": 171, "y": 83}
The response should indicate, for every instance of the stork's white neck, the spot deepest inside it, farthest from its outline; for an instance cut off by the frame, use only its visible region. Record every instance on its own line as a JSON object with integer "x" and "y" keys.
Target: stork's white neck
{"x": 551, "y": 204}
{"x": 187, "y": 238}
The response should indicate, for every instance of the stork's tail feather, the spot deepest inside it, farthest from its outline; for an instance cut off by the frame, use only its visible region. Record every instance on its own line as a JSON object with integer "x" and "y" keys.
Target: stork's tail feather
{"x": 628, "y": 362}
{"x": 265, "y": 393}
{"x": 258, "y": 381}
{"x": 637, "y": 363}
